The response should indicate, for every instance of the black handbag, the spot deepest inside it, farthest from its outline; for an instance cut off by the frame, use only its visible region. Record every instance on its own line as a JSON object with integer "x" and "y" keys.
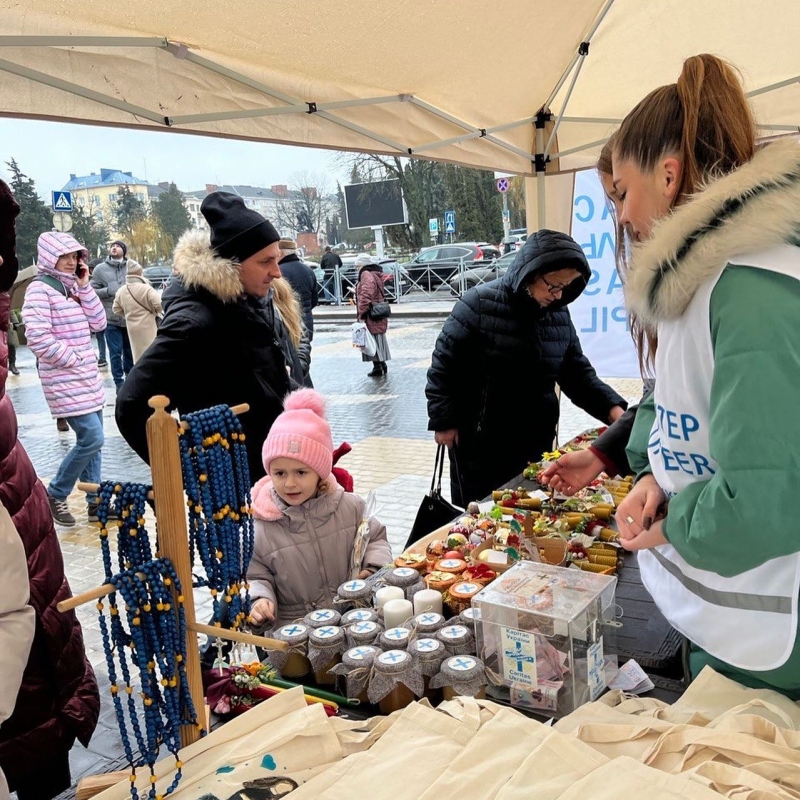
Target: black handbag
{"x": 434, "y": 510}
{"x": 379, "y": 311}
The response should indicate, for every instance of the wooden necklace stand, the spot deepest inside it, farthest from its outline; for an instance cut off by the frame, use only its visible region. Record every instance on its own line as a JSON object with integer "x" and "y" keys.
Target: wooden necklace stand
{"x": 173, "y": 537}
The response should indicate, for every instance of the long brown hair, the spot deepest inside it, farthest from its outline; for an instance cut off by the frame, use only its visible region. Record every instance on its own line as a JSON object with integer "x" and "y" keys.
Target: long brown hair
{"x": 288, "y": 307}
{"x": 704, "y": 119}
{"x": 645, "y": 341}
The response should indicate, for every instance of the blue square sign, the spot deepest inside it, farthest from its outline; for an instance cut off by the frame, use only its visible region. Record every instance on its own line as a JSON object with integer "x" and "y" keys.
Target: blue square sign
{"x": 62, "y": 201}
{"x": 449, "y": 221}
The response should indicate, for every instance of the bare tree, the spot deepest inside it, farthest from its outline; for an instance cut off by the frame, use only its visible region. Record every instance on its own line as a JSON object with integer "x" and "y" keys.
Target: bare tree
{"x": 308, "y": 204}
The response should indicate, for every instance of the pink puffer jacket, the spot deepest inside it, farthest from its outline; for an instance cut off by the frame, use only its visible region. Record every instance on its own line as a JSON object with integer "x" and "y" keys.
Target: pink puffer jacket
{"x": 59, "y": 327}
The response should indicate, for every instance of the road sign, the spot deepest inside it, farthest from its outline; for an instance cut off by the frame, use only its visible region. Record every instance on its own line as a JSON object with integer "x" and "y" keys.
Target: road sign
{"x": 449, "y": 221}
{"x": 433, "y": 226}
{"x": 506, "y": 216}
{"x": 62, "y": 201}
{"x": 62, "y": 221}
{"x": 502, "y": 184}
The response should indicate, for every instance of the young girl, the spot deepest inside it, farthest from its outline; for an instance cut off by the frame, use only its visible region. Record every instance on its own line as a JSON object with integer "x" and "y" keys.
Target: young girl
{"x": 61, "y": 311}
{"x": 305, "y": 522}
{"x": 715, "y": 273}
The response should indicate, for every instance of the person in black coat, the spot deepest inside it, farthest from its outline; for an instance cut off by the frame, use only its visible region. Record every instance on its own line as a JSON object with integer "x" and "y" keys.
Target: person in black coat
{"x": 215, "y": 345}
{"x": 302, "y": 279}
{"x": 491, "y": 385}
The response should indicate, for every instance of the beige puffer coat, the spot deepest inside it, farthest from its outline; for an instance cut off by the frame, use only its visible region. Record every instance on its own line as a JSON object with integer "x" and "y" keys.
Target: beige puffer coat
{"x": 302, "y": 553}
{"x": 140, "y": 304}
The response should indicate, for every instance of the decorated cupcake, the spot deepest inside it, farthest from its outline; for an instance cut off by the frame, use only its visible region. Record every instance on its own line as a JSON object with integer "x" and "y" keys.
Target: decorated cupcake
{"x": 440, "y": 580}
{"x": 459, "y": 595}
{"x": 454, "y": 565}
{"x": 415, "y": 561}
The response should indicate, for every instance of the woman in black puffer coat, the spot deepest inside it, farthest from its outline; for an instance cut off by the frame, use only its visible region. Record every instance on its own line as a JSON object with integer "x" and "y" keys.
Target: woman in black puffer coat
{"x": 491, "y": 385}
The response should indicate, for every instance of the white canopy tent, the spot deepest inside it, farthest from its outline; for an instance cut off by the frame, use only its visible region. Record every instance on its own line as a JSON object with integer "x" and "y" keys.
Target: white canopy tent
{"x": 531, "y": 87}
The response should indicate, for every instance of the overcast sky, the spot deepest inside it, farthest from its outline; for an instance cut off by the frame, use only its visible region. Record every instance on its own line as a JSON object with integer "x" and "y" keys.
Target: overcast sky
{"x": 49, "y": 151}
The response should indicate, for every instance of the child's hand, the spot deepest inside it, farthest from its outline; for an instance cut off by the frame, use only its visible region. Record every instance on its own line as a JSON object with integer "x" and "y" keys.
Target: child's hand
{"x": 262, "y": 611}
{"x": 365, "y": 573}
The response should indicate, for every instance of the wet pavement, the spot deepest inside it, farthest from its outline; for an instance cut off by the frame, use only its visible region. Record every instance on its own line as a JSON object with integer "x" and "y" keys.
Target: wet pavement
{"x": 383, "y": 419}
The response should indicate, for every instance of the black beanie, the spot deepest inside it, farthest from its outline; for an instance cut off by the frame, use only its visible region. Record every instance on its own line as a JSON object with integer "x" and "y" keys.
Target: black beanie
{"x": 122, "y": 245}
{"x": 236, "y": 231}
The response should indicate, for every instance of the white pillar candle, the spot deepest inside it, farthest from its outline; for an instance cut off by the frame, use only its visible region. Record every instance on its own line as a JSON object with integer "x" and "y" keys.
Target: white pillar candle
{"x": 383, "y": 596}
{"x": 396, "y": 612}
{"x": 427, "y": 600}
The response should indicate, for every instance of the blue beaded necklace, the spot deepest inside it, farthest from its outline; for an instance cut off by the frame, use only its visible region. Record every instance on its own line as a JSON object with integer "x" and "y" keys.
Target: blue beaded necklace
{"x": 152, "y": 637}
{"x": 216, "y": 479}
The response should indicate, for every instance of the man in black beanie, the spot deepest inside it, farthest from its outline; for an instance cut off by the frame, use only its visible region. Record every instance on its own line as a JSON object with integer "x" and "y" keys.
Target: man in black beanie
{"x": 215, "y": 345}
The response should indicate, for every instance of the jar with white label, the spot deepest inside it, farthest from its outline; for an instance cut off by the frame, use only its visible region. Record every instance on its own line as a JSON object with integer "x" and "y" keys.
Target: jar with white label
{"x": 396, "y": 680}
{"x": 291, "y": 663}
{"x": 407, "y": 579}
{"x": 427, "y": 623}
{"x": 359, "y": 615}
{"x": 321, "y": 617}
{"x": 429, "y": 653}
{"x": 362, "y": 632}
{"x": 356, "y": 667}
{"x": 458, "y": 640}
{"x": 325, "y": 648}
{"x": 355, "y": 593}
{"x": 395, "y": 639}
{"x": 461, "y": 675}
{"x": 468, "y": 617}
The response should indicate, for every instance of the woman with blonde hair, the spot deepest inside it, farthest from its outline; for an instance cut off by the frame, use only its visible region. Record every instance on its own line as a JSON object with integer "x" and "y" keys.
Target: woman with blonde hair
{"x": 286, "y": 316}
{"x": 715, "y": 274}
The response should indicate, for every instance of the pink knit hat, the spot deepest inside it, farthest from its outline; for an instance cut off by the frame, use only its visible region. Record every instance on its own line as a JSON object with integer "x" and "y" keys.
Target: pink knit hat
{"x": 301, "y": 433}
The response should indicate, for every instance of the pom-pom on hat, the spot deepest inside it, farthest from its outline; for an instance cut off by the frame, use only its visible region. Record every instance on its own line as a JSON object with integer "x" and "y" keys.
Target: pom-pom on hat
{"x": 302, "y": 433}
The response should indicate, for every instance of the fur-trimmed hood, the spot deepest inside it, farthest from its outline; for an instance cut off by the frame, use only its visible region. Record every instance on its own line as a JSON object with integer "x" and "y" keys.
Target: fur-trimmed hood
{"x": 199, "y": 267}
{"x": 268, "y": 506}
{"x": 751, "y": 209}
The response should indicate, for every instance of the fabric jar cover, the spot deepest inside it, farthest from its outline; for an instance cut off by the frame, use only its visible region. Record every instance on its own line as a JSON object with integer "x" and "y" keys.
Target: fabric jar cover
{"x": 324, "y": 644}
{"x": 427, "y": 623}
{"x": 457, "y": 639}
{"x": 469, "y": 617}
{"x": 402, "y": 577}
{"x": 429, "y": 653}
{"x": 359, "y": 615}
{"x": 356, "y": 666}
{"x": 296, "y": 636}
{"x": 395, "y": 639}
{"x": 321, "y": 617}
{"x": 362, "y": 633}
{"x": 356, "y": 593}
{"x": 465, "y": 674}
{"x": 389, "y": 669}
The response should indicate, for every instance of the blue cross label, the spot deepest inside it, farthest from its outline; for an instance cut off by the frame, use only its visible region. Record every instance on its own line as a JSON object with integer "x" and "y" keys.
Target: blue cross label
{"x": 322, "y": 615}
{"x": 429, "y": 619}
{"x": 519, "y": 657}
{"x": 404, "y": 572}
{"x": 326, "y": 633}
{"x": 450, "y": 563}
{"x": 362, "y": 615}
{"x": 462, "y": 663}
{"x": 456, "y": 632}
{"x": 293, "y": 630}
{"x": 355, "y": 586}
{"x": 393, "y": 657}
{"x": 360, "y": 653}
{"x": 466, "y": 588}
{"x": 427, "y": 645}
{"x": 364, "y": 627}
{"x": 471, "y": 613}
{"x": 397, "y": 633}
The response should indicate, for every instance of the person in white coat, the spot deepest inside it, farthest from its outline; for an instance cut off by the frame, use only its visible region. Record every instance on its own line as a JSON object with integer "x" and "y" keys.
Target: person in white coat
{"x": 140, "y": 304}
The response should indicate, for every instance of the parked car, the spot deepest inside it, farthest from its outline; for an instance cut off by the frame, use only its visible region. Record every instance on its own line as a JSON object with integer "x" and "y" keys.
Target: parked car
{"x": 159, "y": 276}
{"x": 460, "y": 282}
{"x": 434, "y": 266}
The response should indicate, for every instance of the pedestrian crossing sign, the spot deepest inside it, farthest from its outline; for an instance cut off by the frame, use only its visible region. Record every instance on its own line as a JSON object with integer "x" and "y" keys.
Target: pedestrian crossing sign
{"x": 62, "y": 201}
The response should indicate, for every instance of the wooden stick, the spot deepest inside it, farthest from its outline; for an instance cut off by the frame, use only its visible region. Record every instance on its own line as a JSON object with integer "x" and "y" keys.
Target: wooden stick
{"x": 237, "y": 636}
{"x": 92, "y": 594}
{"x": 173, "y": 537}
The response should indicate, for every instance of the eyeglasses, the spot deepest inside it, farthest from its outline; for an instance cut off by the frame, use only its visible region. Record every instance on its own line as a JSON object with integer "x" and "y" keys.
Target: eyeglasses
{"x": 552, "y": 288}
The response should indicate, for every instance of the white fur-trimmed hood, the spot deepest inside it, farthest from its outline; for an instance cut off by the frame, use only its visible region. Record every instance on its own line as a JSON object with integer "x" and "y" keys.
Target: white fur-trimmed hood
{"x": 753, "y": 208}
{"x": 199, "y": 267}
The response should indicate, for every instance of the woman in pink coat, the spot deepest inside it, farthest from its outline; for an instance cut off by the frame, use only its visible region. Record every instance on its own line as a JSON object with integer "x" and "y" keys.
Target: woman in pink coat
{"x": 369, "y": 290}
{"x": 61, "y": 311}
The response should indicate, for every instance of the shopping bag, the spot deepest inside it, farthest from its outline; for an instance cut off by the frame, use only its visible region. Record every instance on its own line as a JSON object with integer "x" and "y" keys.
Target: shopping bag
{"x": 363, "y": 339}
{"x": 379, "y": 311}
{"x": 434, "y": 511}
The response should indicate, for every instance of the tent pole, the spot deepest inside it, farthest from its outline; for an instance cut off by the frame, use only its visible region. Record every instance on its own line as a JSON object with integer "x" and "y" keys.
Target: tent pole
{"x": 540, "y": 161}
{"x": 582, "y": 52}
{"x": 580, "y": 148}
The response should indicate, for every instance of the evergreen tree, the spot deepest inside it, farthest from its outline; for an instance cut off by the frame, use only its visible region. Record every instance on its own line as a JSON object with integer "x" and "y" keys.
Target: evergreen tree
{"x": 91, "y": 233}
{"x": 473, "y": 195}
{"x": 171, "y": 213}
{"x": 130, "y": 210}
{"x": 35, "y": 217}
